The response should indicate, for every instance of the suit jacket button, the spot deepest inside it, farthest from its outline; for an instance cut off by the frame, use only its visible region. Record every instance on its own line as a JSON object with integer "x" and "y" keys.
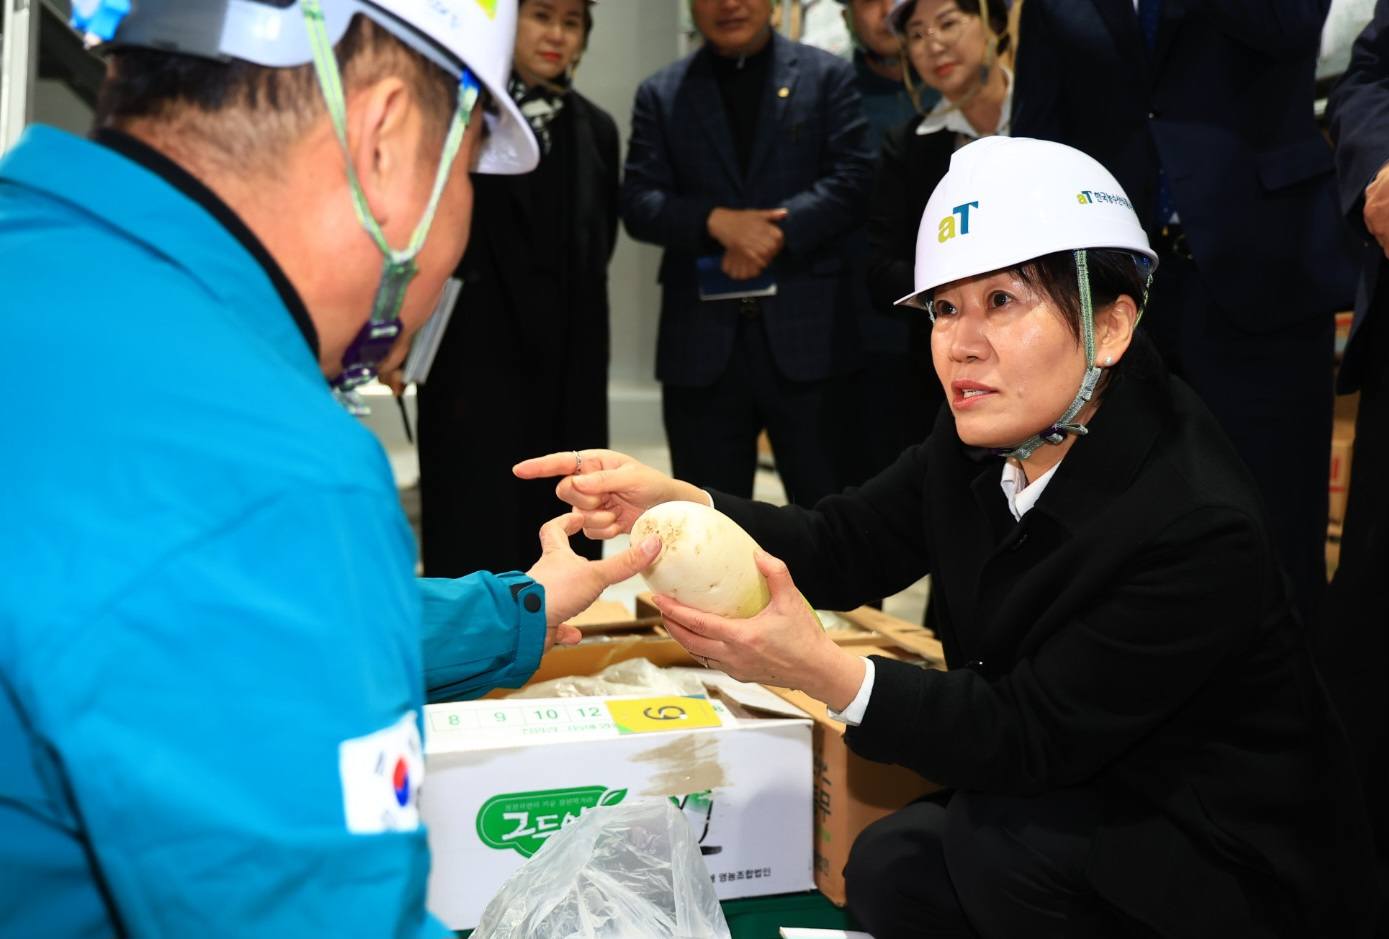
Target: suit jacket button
{"x": 977, "y": 665}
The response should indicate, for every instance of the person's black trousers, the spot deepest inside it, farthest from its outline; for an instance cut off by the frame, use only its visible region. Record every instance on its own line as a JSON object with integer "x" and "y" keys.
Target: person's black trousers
{"x": 1351, "y": 643}
{"x": 474, "y": 514}
{"x": 1272, "y": 393}
{"x": 712, "y": 431}
{"x": 977, "y": 866}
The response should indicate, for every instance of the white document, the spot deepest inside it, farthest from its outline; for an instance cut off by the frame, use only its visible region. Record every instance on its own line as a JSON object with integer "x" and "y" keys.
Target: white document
{"x": 425, "y": 345}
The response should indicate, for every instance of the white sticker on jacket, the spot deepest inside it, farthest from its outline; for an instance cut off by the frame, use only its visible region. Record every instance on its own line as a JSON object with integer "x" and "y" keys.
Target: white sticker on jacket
{"x": 381, "y": 776}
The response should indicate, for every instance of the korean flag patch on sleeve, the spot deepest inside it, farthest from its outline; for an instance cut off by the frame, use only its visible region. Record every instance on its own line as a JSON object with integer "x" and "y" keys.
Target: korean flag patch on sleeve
{"x": 381, "y": 776}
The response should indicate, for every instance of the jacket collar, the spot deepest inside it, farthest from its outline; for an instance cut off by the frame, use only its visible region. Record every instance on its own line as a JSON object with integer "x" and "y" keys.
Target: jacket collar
{"x": 1103, "y": 464}
{"x": 153, "y": 201}
{"x": 1099, "y": 466}
{"x": 776, "y": 97}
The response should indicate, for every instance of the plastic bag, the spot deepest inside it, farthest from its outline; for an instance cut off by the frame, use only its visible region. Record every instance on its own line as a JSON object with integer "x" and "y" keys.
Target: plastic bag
{"x": 628, "y": 871}
{"x": 634, "y": 676}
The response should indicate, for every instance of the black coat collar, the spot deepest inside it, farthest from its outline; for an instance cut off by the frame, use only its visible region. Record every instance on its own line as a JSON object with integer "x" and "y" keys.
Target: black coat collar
{"x": 1100, "y": 466}
{"x": 1103, "y": 464}
{"x": 709, "y": 110}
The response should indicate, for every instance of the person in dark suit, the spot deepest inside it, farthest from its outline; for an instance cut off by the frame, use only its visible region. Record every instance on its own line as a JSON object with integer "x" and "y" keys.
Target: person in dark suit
{"x": 524, "y": 362}
{"x": 1132, "y": 735}
{"x": 1352, "y": 643}
{"x": 1203, "y": 111}
{"x": 955, "y": 53}
{"x": 880, "y": 410}
{"x": 752, "y": 155}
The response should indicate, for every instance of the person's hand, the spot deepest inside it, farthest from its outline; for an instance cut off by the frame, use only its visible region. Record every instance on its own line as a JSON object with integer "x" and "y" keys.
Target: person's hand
{"x": 752, "y": 235}
{"x": 784, "y": 645}
{"x": 609, "y": 489}
{"x": 739, "y": 266}
{"x": 1377, "y": 208}
{"x": 572, "y": 582}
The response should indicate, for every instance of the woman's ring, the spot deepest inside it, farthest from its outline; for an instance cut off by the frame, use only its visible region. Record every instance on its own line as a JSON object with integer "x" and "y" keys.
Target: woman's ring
{"x": 578, "y": 463}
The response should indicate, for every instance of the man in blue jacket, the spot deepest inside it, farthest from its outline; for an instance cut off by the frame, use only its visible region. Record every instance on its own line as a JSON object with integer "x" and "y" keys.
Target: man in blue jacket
{"x": 750, "y": 159}
{"x": 213, "y": 651}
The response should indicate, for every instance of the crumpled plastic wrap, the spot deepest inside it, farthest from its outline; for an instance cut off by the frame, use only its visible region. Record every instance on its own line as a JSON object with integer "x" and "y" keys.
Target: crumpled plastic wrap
{"x": 634, "y": 676}
{"x": 628, "y": 871}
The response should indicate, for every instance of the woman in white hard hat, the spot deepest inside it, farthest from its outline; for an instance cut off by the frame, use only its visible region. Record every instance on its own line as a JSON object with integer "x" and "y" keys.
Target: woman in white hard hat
{"x": 1131, "y": 737}
{"x": 530, "y": 326}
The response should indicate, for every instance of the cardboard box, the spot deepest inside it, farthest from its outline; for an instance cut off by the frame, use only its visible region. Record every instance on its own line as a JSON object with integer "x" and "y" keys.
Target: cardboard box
{"x": 505, "y": 775}
{"x": 851, "y": 793}
{"x": 547, "y": 755}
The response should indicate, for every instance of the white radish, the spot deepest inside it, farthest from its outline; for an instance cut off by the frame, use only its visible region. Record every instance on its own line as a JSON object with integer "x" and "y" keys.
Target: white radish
{"x": 706, "y": 559}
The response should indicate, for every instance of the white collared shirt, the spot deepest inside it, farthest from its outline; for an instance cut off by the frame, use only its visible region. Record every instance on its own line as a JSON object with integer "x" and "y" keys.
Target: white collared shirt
{"x": 945, "y": 116}
{"x": 1021, "y": 496}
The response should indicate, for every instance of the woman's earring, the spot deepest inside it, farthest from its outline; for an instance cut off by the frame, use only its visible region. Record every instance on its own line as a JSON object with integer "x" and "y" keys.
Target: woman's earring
{"x": 1109, "y": 360}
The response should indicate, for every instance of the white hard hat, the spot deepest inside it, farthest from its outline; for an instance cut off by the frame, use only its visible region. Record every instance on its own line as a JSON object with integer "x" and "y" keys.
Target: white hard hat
{"x": 1008, "y": 200}
{"x": 476, "y": 34}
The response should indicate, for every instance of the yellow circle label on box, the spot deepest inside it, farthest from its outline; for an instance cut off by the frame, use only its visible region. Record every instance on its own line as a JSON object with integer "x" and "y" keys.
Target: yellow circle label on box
{"x": 667, "y": 713}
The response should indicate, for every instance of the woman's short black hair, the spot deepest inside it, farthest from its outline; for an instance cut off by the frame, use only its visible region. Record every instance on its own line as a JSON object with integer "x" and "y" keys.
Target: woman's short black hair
{"x": 1113, "y": 273}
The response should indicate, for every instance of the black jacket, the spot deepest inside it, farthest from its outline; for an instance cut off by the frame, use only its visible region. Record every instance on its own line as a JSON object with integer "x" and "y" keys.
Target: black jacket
{"x": 810, "y": 156}
{"x": 910, "y": 166}
{"x": 1131, "y": 633}
{"x": 1359, "y": 116}
{"x": 502, "y": 317}
{"x": 523, "y": 367}
{"x": 1224, "y": 105}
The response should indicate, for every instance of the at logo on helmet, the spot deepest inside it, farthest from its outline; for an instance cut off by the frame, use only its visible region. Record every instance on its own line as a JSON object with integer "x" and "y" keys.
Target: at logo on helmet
{"x": 947, "y": 228}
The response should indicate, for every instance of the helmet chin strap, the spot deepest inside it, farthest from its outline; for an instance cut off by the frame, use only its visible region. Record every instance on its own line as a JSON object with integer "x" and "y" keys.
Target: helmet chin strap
{"x": 1066, "y": 424}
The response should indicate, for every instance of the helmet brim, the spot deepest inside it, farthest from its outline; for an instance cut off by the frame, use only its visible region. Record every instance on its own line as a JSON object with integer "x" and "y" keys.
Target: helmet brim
{"x": 914, "y": 300}
{"x": 510, "y": 148}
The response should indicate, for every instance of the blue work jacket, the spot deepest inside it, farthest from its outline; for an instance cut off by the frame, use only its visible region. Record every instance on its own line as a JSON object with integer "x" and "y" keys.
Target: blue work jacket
{"x": 214, "y": 652}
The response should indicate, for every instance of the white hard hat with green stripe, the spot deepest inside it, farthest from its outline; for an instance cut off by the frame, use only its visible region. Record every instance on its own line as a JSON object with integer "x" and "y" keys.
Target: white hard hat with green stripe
{"x": 1009, "y": 200}
{"x": 455, "y": 34}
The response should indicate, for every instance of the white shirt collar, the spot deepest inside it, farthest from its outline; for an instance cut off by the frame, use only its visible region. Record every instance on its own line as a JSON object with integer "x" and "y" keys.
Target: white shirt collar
{"x": 1020, "y": 495}
{"x": 945, "y": 116}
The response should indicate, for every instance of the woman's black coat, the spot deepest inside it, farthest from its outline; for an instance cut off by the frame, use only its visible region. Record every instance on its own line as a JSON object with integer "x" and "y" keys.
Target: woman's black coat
{"x": 909, "y": 168}
{"x": 1131, "y": 633}
{"x": 523, "y": 368}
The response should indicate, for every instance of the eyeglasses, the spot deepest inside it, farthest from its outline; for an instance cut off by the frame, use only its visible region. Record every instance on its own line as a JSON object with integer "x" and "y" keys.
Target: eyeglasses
{"x": 946, "y": 32}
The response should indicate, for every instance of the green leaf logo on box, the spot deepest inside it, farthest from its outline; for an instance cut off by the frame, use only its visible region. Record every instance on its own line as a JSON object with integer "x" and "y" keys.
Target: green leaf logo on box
{"x": 522, "y": 821}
